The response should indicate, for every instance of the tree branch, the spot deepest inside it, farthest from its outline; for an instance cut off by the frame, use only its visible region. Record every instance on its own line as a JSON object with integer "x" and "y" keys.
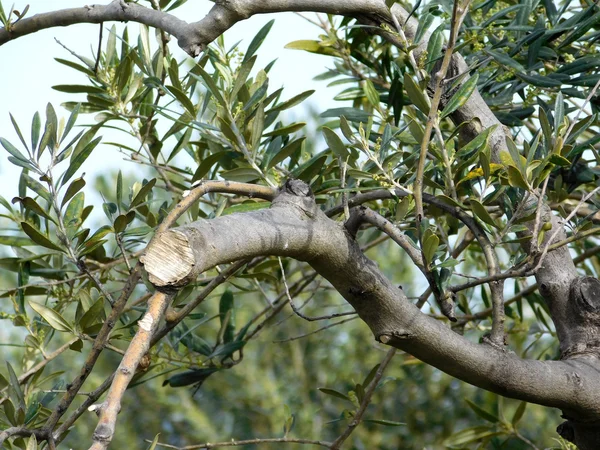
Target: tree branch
{"x": 295, "y": 227}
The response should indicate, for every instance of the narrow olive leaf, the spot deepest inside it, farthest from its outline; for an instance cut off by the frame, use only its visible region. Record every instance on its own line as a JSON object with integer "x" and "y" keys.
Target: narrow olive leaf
{"x": 154, "y": 442}
{"x": 286, "y": 151}
{"x": 15, "y": 388}
{"x": 469, "y": 435}
{"x": 430, "y": 246}
{"x": 480, "y": 211}
{"x": 312, "y": 47}
{"x": 206, "y": 164}
{"x": 559, "y": 111}
{"x": 71, "y": 121}
{"x": 32, "y": 443}
{"x": 516, "y": 179}
{"x": 293, "y": 101}
{"x": 54, "y": 319}
{"x": 32, "y": 205}
{"x": 334, "y": 393}
{"x": 16, "y": 241}
{"x": 210, "y": 84}
{"x": 482, "y": 412}
{"x": 505, "y": 60}
{"x": 141, "y": 195}
{"x": 434, "y": 46}
{"x": 37, "y": 237}
{"x": 92, "y": 314}
{"x": 519, "y": 413}
{"x": 75, "y": 186}
{"x": 227, "y": 316}
{"x": 461, "y": 96}
{"x": 78, "y": 89}
{"x": 335, "y": 143}
{"x": 258, "y": 40}
{"x": 371, "y": 93}
{"x": 387, "y": 423}
{"x": 12, "y": 149}
{"x": 286, "y": 130}
{"x": 183, "y": 99}
{"x": 78, "y": 159}
{"x": 35, "y": 130}
{"x": 72, "y": 218}
{"x": 18, "y": 130}
{"x": 415, "y": 94}
{"x": 243, "y": 73}
{"x": 119, "y": 190}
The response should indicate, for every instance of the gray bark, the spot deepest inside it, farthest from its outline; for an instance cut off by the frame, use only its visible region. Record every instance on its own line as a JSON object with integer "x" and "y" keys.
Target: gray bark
{"x": 295, "y": 227}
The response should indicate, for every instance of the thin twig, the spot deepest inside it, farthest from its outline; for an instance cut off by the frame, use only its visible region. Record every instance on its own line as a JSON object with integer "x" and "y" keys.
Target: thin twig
{"x": 331, "y": 325}
{"x": 365, "y": 402}
{"x": 297, "y": 311}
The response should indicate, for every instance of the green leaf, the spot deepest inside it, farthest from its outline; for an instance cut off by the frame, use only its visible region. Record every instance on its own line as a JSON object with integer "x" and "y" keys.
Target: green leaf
{"x": 153, "y": 444}
{"x": 415, "y": 94}
{"x": 469, "y": 435}
{"x": 16, "y": 241}
{"x": 78, "y": 89}
{"x": 183, "y": 99}
{"x": 516, "y": 179}
{"x": 35, "y": 130}
{"x": 143, "y": 192}
{"x": 430, "y": 246}
{"x": 286, "y": 151}
{"x": 77, "y": 159}
{"x": 352, "y": 114}
{"x": 434, "y": 47}
{"x": 12, "y": 149}
{"x": 54, "y": 319}
{"x": 293, "y": 101}
{"x": 258, "y": 40}
{"x": 505, "y": 60}
{"x": 227, "y": 316}
{"x": 18, "y": 130}
{"x": 92, "y": 314}
{"x": 370, "y": 376}
{"x": 246, "y": 207}
{"x": 32, "y": 443}
{"x": 335, "y": 143}
{"x": 371, "y": 93}
{"x": 289, "y": 129}
{"x": 334, "y": 393}
{"x": 242, "y": 174}
{"x": 559, "y": 111}
{"x": 206, "y": 164}
{"x": 37, "y": 237}
{"x": 480, "y": 211}
{"x": 210, "y": 85}
{"x": 15, "y": 392}
{"x": 519, "y": 413}
{"x": 312, "y": 47}
{"x": 243, "y": 73}
{"x": 461, "y": 96}
{"x": 74, "y": 211}
{"x": 75, "y": 186}
{"x": 387, "y": 423}
{"x": 482, "y": 412}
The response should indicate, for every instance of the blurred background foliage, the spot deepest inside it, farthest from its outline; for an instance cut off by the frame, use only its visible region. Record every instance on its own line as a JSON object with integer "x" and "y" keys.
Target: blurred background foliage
{"x": 243, "y": 365}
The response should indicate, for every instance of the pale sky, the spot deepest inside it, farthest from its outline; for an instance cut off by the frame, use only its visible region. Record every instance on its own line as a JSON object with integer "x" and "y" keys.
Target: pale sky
{"x": 28, "y": 71}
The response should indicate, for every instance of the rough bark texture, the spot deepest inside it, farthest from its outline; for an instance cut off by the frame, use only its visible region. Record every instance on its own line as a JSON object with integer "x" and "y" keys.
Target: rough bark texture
{"x": 295, "y": 227}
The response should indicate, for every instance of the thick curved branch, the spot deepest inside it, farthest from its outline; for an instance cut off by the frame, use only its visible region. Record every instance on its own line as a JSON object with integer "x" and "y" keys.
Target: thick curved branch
{"x": 295, "y": 227}
{"x": 117, "y": 10}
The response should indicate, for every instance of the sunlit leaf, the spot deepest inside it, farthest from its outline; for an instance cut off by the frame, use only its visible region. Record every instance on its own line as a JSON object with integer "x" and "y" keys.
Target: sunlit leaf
{"x": 54, "y": 319}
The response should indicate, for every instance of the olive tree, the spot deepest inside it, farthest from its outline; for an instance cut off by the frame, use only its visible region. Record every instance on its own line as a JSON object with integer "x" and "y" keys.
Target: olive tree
{"x": 470, "y": 143}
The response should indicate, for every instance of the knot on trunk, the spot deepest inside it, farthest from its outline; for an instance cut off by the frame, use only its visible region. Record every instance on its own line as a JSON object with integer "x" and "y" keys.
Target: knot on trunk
{"x": 585, "y": 296}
